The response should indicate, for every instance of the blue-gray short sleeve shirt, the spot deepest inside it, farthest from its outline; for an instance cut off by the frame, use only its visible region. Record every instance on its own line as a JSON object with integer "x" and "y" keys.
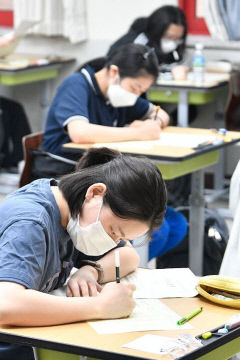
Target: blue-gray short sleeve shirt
{"x": 35, "y": 250}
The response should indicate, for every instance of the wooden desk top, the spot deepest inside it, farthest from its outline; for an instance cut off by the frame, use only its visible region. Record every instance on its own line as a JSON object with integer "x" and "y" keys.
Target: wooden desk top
{"x": 19, "y": 62}
{"x": 211, "y": 81}
{"x": 80, "y": 338}
{"x": 166, "y": 153}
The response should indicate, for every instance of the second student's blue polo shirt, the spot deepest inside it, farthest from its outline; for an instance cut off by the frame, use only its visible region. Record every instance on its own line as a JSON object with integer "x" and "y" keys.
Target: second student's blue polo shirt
{"x": 79, "y": 95}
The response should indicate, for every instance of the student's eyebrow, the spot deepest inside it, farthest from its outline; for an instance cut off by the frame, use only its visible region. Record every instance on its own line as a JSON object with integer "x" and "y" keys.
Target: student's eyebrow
{"x": 121, "y": 232}
{"x": 123, "y": 235}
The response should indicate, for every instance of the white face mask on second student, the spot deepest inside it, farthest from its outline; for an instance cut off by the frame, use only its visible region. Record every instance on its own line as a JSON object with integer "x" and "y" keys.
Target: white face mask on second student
{"x": 119, "y": 97}
{"x": 168, "y": 45}
{"x": 91, "y": 239}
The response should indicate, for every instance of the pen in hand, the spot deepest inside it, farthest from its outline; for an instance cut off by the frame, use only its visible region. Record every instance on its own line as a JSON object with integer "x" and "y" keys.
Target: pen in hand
{"x": 157, "y": 110}
{"x": 117, "y": 266}
{"x": 188, "y": 317}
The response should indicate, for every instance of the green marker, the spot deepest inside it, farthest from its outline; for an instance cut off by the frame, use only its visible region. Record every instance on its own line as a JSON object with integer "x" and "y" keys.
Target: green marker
{"x": 188, "y": 317}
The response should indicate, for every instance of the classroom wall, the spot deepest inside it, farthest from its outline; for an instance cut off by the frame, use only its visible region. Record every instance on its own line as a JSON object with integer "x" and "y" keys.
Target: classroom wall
{"x": 106, "y": 21}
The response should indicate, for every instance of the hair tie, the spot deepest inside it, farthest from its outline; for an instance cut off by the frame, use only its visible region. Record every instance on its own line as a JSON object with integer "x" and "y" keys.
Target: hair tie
{"x": 149, "y": 52}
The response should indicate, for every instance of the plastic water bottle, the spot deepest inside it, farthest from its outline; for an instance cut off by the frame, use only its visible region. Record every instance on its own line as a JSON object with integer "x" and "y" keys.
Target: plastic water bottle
{"x": 198, "y": 65}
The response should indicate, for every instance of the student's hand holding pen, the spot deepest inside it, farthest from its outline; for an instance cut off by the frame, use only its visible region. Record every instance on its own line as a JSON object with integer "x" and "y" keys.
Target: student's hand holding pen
{"x": 116, "y": 300}
{"x": 158, "y": 114}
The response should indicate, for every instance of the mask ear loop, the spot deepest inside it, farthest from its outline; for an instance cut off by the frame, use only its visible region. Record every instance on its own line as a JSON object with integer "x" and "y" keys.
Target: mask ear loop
{"x": 98, "y": 215}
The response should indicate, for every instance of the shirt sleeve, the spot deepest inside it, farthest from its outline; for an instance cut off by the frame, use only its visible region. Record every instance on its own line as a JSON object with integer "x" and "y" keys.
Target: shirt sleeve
{"x": 71, "y": 100}
{"x": 22, "y": 254}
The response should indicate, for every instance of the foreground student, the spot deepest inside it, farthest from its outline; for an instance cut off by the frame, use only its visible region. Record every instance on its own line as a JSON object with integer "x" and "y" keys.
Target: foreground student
{"x": 95, "y": 105}
{"x": 49, "y": 226}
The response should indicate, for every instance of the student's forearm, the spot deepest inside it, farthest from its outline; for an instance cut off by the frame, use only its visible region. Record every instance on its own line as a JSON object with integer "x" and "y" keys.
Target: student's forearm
{"x": 32, "y": 308}
{"x": 129, "y": 261}
{"x": 91, "y": 133}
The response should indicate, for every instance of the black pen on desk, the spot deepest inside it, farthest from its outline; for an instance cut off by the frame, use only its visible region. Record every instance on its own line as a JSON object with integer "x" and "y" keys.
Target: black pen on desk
{"x": 117, "y": 265}
{"x": 157, "y": 110}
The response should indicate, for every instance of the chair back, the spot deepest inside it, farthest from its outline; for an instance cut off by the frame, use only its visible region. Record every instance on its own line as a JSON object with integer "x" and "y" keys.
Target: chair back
{"x": 29, "y": 142}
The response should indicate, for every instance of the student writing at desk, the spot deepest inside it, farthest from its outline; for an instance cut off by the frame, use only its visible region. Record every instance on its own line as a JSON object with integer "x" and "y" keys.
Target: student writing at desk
{"x": 94, "y": 106}
{"x": 49, "y": 226}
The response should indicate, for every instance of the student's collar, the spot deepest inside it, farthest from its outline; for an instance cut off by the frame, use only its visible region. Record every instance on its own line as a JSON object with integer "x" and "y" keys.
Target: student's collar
{"x": 141, "y": 39}
{"x": 89, "y": 73}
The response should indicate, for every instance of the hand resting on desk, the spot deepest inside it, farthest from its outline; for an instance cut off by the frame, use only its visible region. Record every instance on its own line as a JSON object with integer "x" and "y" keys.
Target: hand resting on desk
{"x": 83, "y": 283}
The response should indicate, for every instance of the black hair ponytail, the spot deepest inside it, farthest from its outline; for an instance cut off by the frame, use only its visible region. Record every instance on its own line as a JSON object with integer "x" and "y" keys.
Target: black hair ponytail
{"x": 97, "y": 64}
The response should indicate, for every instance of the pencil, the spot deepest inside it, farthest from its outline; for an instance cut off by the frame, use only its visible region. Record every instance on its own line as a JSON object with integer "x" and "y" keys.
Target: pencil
{"x": 157, "y": 110}
{"x": 117, "y": 266}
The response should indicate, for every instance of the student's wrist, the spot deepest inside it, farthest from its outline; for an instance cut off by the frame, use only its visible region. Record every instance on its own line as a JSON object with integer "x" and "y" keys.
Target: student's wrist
{"x": 96, "y": 269}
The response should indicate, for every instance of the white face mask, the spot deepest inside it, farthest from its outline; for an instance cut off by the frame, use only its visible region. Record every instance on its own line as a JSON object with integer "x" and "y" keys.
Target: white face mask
{"x": 168, "y": 45}
{"x": 119, "y": 97}
{"x": 92, "y": 239}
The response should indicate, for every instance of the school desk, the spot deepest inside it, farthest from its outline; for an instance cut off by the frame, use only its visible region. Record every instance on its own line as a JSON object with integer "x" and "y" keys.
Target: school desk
{"x": 173, "y": 162}
{"x": 19, "y": 69}
{"x": 80, "y": 338}
{"x": 185, "y": 92}
{"x": 214, "y": 89}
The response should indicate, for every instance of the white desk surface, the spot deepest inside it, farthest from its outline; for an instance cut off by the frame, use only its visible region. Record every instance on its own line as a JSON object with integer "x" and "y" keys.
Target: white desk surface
{"x": 211, "y": 80}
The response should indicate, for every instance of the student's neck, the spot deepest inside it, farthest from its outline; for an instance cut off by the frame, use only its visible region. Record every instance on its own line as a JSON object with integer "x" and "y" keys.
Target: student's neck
{"x": 62, "y": 205}
{"x": 102, "y": 80}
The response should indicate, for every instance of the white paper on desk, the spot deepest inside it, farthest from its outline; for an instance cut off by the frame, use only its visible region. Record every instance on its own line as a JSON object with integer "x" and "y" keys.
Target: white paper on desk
{"x": 152, "y": 343}
{"x": 166, "y": 139}
{"x": 183, "y": 140}
{"x": 163, "y": 283}
{"x": 149, "y": 314}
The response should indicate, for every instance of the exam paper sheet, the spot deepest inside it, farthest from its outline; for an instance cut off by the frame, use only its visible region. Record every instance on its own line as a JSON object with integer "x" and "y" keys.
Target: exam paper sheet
{"x": 166, "y": 139}
{"x": 163, "y": 283}
{"x": 156, "y": 344}
{"x": 149, "y": 314}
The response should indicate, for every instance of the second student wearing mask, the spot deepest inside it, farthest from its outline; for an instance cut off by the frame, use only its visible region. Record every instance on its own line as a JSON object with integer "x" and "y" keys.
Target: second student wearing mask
{"x": 165, "y": 30}
{"x": 95, "y": 103}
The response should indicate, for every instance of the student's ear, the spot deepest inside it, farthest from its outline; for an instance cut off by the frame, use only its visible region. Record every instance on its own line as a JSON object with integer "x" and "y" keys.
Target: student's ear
{"x": 113, "y": 71}
{"x": 98, "y": 189}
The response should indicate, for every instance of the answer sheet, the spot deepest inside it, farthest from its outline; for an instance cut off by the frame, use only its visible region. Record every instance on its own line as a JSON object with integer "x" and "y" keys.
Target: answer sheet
{"x": 163, "y": 283}
{"x": 161, "y": 344}
{"x": 149, "y": 314}
{"x": 166, "y": 139}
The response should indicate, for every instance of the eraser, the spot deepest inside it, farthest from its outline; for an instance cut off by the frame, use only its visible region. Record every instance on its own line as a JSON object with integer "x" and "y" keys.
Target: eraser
{"x": 207, "y": 335}
{"x": 222, "y": 331}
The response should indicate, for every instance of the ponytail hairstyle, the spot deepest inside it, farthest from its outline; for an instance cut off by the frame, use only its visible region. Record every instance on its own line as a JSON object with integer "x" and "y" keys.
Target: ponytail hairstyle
{"x": 133, "y": 60}
{"x": 135, "y": 188}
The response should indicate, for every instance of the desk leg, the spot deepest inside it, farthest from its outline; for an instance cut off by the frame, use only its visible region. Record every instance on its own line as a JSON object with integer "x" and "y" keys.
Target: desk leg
{"x": 196, "y": 223}
{"x": 219, "y": 173}
{"x": 45, "y": 100}
{"x": 182, "y": 118}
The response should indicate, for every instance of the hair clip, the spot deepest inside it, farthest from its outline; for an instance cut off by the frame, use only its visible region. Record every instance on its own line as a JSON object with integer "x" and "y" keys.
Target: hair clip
{"x": 146, "y": 54}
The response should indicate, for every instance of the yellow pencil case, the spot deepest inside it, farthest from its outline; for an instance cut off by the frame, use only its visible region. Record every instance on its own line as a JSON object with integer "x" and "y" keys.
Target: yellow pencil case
{"x": 223, "y": 290}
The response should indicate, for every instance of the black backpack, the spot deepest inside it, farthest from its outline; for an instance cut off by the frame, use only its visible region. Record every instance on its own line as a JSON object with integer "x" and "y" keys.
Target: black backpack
{"x": 215, "y": 241}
